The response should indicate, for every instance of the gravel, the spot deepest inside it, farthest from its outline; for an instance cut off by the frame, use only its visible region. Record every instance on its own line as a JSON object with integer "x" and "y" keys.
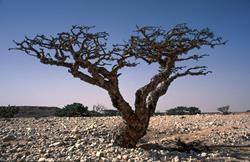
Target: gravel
{"x": 92, "y": 139}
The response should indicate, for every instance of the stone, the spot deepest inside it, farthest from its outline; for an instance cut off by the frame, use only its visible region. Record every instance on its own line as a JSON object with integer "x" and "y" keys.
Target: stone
{"x": 71, "y": 148}
{"x": 78, "y": 145}
{"x": 50, "y": 160}
{"x": 101, "y": 140}
{"x": 30, "y": 131}
{"x": 41, "y": 160}
{"x": 203, "y": 154}
{"x": 125, "y": 157}
{"x": 119, "y": 157}
{"x": 211, "y": 123}
{"x": 75, "y": 130}
{"x": 99, "y": 154}
{"x": 56, "y": 144}
{"x": 93, "y": 144}
{"x": 176, "y": 159}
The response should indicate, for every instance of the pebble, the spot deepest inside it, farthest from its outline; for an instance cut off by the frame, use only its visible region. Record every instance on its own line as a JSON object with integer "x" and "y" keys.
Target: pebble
{"x": 31, "y": 131}
{"x": 61, "y": 139}
{"x": 125, "y": 157}
{"x": 56, "y": 144}
{"x": 98, "y": 154}
{"x": 41, "y": 160}
{"x": 203, "y": 154}
{"x": 119, "y": 157}
{"x": 176, "y": 159}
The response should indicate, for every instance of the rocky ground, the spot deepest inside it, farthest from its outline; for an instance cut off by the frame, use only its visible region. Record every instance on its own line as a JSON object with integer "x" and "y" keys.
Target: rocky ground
{"x": 207, "y": 137}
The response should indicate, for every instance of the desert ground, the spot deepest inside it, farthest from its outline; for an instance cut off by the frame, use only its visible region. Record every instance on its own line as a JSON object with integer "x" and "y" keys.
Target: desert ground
{"x": 205, "y": 137}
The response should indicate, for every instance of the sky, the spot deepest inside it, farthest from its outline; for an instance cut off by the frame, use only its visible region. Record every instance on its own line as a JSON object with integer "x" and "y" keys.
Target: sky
{"x": 25, "y": 81}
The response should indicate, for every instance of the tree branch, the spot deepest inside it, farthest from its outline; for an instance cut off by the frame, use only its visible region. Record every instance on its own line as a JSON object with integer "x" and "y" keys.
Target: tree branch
{"x": 154, "y": 45}
{"x": 197, "y": 70}
{"x": 195, "y": 57}
{"x": 80, "y": 50}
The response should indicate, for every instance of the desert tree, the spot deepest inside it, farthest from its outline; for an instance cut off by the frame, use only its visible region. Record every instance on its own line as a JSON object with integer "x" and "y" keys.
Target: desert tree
{"x": 86, "y": 56}
{"x": 224, "y": 110}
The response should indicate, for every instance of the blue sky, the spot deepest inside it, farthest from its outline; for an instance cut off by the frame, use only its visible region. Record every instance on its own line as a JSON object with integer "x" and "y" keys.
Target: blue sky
{"x": 24, "y": 81}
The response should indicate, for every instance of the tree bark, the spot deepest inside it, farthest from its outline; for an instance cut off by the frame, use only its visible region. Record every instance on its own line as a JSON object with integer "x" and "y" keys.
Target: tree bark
{"x": 135, "y": 125}
{"x": 129, "y": 136}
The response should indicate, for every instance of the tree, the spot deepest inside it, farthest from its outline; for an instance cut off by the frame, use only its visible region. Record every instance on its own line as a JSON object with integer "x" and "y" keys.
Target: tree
{"x": 224, "y": 110}
{"x": 73, "y": 110}
{"x": 99, "y": 108}
{"x": 86, "y": 56}
{"x": 8, "y": 111}
{"x": 183, "y": 110}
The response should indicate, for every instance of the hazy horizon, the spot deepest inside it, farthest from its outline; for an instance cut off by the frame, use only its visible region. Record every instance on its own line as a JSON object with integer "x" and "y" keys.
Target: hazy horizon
{"x": 25, "y": 81}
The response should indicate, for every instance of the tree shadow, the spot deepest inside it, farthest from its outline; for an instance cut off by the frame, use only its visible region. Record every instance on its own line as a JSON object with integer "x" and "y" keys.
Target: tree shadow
{"x": 239, "y": 152}
{"x": 177, "y": 145}
{"x": 195, "y": 148}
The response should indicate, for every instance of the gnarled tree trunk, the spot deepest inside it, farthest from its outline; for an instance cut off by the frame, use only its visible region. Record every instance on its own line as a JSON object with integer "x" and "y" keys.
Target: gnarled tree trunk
{"x": 130, "y": 136}
{"x": 135, "y": 128}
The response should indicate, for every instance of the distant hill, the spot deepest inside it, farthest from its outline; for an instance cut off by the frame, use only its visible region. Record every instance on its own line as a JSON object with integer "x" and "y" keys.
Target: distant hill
{"x": 36, "y": 111}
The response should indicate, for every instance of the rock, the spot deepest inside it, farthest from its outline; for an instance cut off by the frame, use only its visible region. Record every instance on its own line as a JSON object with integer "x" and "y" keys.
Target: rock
{"x": 119, "y": 157}
{"x": 110, "y": 144}
{"x": 41, "y": 160}
{"x": 99, "y": 154}
{"x": 93, "y": 144}
{"x": 56, "y": 144}
{"x": 75, "y": 130}
{"x": 203, "y": 154}
{"x": 210, "y": 123}
{"x": 64, "y": 126}
{"x": 214, "y": 154}
{"x": 78, "y": 145}
{"x": 71, "y": 148}
{"x": 23, "y": 158}
{"x": 50, "y": 160}
{"x": 46, "y": 160}
{"x": 125, "y": 157}
{"x": 176, "y": 159}
{"x": 101, "y": 140}
{"x": 31, "y": 131}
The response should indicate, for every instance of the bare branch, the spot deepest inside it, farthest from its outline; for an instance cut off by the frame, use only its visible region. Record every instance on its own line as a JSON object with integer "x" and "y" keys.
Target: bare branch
{"x": 197, "y": 70}
{"x": 86, "y": 56}
{"x": 154, "y": 45}
{"x": 195, "y": 57}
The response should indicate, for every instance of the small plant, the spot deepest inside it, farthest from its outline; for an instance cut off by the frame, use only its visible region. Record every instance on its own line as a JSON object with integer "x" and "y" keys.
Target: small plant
{"x": 183, "y": 110}
{"x": 224, "y": 110}
{"x": 99, "y": 108}
{"x": 73, "y": 110}
{"x": 8, "y": 112}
